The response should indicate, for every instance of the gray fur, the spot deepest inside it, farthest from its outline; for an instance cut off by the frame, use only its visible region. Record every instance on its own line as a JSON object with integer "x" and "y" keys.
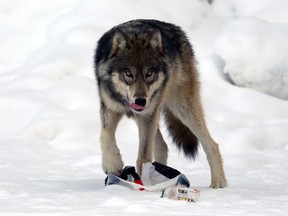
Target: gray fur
{"x": 144, "y": 68}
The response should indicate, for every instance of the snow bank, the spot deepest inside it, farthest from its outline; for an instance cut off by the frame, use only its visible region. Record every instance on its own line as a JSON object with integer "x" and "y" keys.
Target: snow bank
{"x": 255, "y": 54}
{"x": 272, "y": 11}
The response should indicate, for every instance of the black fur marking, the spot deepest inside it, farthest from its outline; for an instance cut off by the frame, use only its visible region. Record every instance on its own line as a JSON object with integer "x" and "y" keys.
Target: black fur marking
{"x": 103, "y": 114}
{"x": 181, "y": 135}
{"x": 114, "y": 95}
{"x": 104, "y": 47}
{"x": 172, "y": 37}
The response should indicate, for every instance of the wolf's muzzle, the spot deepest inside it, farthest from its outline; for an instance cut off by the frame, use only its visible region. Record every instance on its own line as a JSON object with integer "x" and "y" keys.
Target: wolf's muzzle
{"x": 139, "y": 104}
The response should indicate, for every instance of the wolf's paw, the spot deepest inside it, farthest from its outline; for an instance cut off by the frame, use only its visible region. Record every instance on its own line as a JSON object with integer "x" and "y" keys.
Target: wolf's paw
{"x": 112, "y": 164}
{"x": 219, "y": 182}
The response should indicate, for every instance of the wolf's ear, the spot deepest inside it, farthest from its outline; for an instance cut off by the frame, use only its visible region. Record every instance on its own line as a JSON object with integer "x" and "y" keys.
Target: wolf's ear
{"x": 155, "y": 40}
{"x": 119, "y": 42}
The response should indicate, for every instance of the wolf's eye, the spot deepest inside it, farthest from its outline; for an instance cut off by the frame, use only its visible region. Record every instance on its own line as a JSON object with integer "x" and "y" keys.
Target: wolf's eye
{"x": 149, "y": 74}
{"x": 128, "y": 73}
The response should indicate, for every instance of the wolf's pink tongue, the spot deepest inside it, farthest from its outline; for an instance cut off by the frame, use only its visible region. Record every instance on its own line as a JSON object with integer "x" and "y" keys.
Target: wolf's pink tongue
{"x": 136, "y": 107}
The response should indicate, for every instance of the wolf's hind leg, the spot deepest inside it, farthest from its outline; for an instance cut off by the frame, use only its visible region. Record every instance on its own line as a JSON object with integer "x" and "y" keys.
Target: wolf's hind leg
{"x": 160, "y": 149}
{"x": 196, "y": 122}
{"x": 111, "y": 157}
{"x": 189, "y": 111}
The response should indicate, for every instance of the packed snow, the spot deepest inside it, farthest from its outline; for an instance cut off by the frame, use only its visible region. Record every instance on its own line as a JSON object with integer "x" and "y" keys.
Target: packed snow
{"x": 49, "y": 107}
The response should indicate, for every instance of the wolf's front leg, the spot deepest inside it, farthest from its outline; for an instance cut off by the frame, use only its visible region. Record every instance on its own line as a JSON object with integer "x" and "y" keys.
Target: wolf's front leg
{"x": 160, "y": 148}
{"x": 111, "y": 157}
{"x": 147, "y": 126}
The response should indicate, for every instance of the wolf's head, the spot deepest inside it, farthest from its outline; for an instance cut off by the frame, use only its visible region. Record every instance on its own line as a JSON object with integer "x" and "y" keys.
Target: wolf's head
{"x": 136, "y": 68}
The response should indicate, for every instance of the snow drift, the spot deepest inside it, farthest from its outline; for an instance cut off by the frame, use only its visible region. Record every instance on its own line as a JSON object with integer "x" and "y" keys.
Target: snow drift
{"x": 255, "y": 54}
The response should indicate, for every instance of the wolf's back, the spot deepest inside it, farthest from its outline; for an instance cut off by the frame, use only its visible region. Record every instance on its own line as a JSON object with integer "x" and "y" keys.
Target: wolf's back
{"x": 173, "y": 38}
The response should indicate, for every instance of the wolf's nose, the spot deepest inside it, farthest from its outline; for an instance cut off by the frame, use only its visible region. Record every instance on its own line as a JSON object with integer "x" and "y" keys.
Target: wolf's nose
{"x": 140, "y": 101}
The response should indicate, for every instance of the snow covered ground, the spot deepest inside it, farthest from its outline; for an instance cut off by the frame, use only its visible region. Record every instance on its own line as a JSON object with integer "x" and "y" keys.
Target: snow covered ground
{"x": 50, "y": 160}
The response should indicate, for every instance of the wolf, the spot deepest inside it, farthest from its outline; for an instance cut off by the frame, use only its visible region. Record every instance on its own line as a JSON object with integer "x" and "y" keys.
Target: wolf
{"x": 144, "y": 69}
